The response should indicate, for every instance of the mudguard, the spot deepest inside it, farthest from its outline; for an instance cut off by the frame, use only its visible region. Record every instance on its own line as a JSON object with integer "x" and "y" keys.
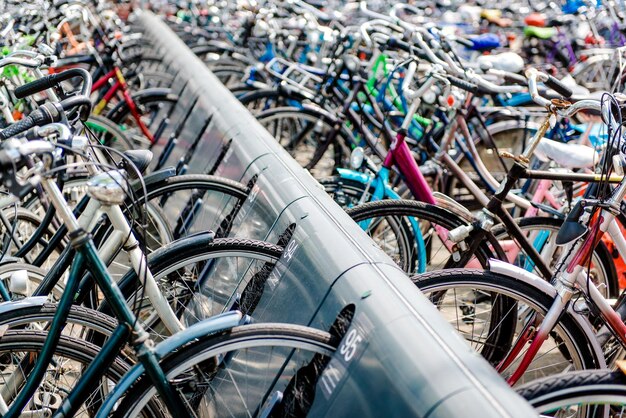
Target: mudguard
{"x": 200, "y": 329}
{"x": 518, "y": 273}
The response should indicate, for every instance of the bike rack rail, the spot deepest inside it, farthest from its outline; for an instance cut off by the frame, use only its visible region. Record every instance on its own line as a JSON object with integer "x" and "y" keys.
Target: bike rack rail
{"x": 402, "y": 357}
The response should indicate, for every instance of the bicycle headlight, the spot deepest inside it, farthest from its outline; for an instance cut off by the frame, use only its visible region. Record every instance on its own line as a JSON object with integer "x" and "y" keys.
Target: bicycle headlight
{"x": 109, "y": 188}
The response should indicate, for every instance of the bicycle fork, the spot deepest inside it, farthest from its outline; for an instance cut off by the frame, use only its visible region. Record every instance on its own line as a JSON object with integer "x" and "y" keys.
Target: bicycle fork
{"x": 566, "y": 282}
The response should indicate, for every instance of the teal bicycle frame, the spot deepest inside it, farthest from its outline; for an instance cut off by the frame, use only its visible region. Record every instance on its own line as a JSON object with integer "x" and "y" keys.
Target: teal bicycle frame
{"x": 87, "y": 257}
{"x": 383, "y": 190}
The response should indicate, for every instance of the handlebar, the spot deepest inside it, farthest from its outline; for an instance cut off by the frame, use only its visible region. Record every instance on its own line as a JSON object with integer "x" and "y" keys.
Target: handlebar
{"x": 52, "y": 112}
{"x": 533, "y": 76}
{"x": 52, "y": 80}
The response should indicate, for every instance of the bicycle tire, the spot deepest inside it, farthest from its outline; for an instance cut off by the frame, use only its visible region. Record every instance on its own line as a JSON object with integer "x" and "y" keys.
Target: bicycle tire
{"x": 218, "y": 287}
{"x": 396, "y": 214}
{"x": 508, "y": 135}
{"x": 111, "y": 134}
{"x": 225, "y": 194}
{"x": 599, "y": 389}
{"x": 150, "y": 103}
{"x": 220, "y": 199}
{"x": 257, "y": 101}
{"x": 79, "y": 351}
{"x": 519, "y": 301}
{"x": 230, "y": 344}
{"x": 307, "y": 150}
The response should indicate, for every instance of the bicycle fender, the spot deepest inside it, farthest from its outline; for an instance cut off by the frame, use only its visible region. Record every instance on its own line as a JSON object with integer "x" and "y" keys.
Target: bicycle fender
{"x": 518, "y": 273}
{"x": 346, "y": 173}
{"x": 22, "y": 303}
{"x": 154, "y": 177}
{"x": 200, "y": 329}
{"x": 315, "y": 108}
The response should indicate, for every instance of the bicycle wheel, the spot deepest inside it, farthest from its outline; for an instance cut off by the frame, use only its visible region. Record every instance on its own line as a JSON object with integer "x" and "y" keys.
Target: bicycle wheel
{"x": 258, "y": 101}
{"x": 82, "y": 323}
{"x": 108, "y": 133}
{"x": 18, "y": 348}
{"x": 541, "y": 232}
{"x": 598, "y": 73}
{"x": 587, "y": 393}
{"x": 229, "y": 75}
{"x": 347, "y": 192}
{"x": 493, "y": 312}
{"x": 256, "y": 362}
{"x": 23, "y": 224}
{"x": 153, "y": 106}
{"x": 415, "y": 235}
{"x": 194, "y": 203}
{"x": 178, "y": 206}
{"x": 202, "y": 277}
{"x": 310, "y": 137}
{"x": 508, "y": 136}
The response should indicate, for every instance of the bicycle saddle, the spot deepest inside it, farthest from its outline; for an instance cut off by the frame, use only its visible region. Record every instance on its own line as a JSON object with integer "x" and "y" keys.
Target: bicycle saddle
{"x": 535, "y": 19}
{"x": 567, "y": 155}
{"x": 495, "y": 16}
{"x": 141, "y": 158}
{"x": 539, "y": 32}
{"x": 505, "y": 61}
{"x": 485, "y": 42}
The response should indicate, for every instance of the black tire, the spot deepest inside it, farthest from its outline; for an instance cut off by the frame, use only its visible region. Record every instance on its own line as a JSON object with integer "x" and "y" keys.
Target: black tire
{"x": 307, "y": 138}
{"x": 346, "y": 192}
{"x": 588, "y": 393}
{"x": 74, "y": 354}
{"x": 258, "y": 101}
{"x": 201, "y": 277}
{"x": 108, "y": 133}
{"x": 177, "y": 207}
{"x": 178, "y": 196}
{"x": 515, "y": 305}
{"x": 294, "y": 369}
{"x": 394, "y": 217}
{"x": 509, "y": 136}
{"x": 229, "y": 75}
{"x": 153, "y": 104}
{"x": 82, "y": 323}
{"x": 25, "y": 223}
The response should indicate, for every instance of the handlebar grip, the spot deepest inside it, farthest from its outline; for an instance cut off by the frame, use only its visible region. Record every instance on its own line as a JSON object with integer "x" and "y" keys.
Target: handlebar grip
{"x": 397, "y": 43}
{"x": 18, "y": 127}
{"x": 516, "y": 79}
{"x": 36, "y": 86}
{"x": 559, "y": 87}
{"x": 51, "y": 80}
{"x": 47, "y": 113}
{"x": 465, "y": 85}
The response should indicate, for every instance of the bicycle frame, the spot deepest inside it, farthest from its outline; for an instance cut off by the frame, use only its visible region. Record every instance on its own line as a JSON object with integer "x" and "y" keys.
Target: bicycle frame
{"x": 565, "y": 289}
{"x": 383, "y": 190}
{"x": 87, "y": 255}
{"x": 120, "y": 84}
